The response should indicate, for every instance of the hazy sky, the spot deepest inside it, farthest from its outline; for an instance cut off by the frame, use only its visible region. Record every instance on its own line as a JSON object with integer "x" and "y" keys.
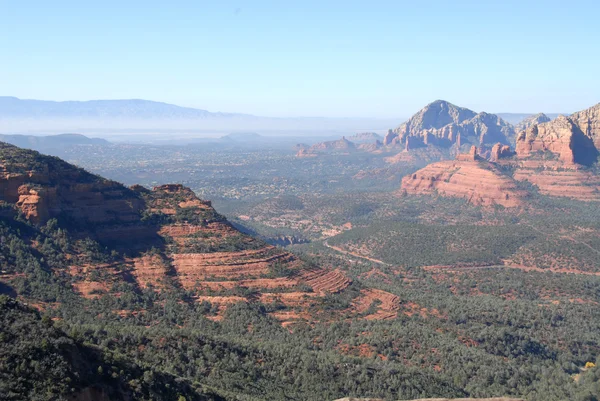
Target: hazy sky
{"x": 306, "y": 58}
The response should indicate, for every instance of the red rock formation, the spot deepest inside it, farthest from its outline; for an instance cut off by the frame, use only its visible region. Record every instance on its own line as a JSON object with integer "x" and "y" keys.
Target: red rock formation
{"x": 389, "y": 137}
{"x": 172, "y": 238}
{"x": 500, "y": 151}
{"x": 588, "y": 122}
{"x": 575, "y": 184}
{"x": 371, "y": 147}
{"x": 574, "y": 139}
{"x": 387, "y": 309}
{"x": 365, "y": 137}
{"x": 480, "y": 184}
{"x": 326, "y": 281}
{"x": 47, "y": 187}
{"x": 150, "y": 270}
{"x": 551, "y": 154}
{"x": 555, "y": 137}
{"x": 341, "y": 145}
{"x": 305, "y": 153}
{"x": 468, "y": 157}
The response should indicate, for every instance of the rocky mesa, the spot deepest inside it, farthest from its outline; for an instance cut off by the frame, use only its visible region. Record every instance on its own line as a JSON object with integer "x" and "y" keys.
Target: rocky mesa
{"x": 469, "y": 177}
{"x": 341, "y": 145}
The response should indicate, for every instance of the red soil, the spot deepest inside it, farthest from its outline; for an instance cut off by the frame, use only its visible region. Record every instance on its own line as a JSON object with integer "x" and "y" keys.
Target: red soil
{"x": 88, "y": 288}
{"x": 290, "y": 299}
{"x": 149, "y": 270}
{"x": 259, "y": 283}
{"x": 324, "y": 281}
{"x": 387, "y": 309}
{"x": 196, "y": 267}
{"x": 580, "y": 185}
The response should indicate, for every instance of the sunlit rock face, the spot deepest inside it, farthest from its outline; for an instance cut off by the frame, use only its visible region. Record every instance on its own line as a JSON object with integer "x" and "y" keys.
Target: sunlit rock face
{"x": 574, "y": 139}
{"x": 443, "y": 124}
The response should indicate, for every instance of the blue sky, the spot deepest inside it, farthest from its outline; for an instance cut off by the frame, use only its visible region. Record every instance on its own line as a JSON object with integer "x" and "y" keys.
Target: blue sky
{"x": 306, "y": 58}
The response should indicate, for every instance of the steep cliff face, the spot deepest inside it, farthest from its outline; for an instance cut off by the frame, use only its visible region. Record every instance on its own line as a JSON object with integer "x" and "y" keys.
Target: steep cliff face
{"x": 432, "y": 118}
{"x": 551, "y": 155}
{"x": 588, "y": 122}
{"x": 574, "y": 139}
{"x": 444, "y": 124}
{"x": 201, "y": 252}
{"x": 487, "y": 129}
{"x": 562, "y": 137}
{"x": 44, "y": 187}
{"x": 469, "y": 157}
{"x": 500, "y": 151}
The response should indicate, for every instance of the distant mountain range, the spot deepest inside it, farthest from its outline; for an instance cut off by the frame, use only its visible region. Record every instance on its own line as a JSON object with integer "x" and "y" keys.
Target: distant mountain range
{"x": 101, "y": 116}
{"x": 131, "y": 108}
{"x": 516, "y": 118}
{"x": 43, "y": 143}
{"x": 107, "y": 117}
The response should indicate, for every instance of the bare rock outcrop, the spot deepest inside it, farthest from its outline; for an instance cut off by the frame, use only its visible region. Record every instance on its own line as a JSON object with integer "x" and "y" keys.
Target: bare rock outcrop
{"x": 365, "y": 137}
{"x": 371, "y": 147}
{"x": 559, "y": 137}
{"x": 574, "y": 139}
{"x": 530, "y": 121}
{"x": 500, "y": 151}
{"x": 304, "y": 153}
{"x": 44, "y": 187}
{"x": 560, "y": 182}
{"x": 477, "y": 181}
{"x": 444, "y": 124}
{"x": 588, "y": 122}
{"x": 340, "y": 145}
{"x": 469, "y": 157}
{"x": 551, "y": 154}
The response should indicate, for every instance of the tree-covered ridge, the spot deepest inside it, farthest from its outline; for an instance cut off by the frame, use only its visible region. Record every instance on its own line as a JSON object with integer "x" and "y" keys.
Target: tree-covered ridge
{"x": 18, "y": 161}
{"x": 249, "y": 355}
{"x": 38, "y": 361}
